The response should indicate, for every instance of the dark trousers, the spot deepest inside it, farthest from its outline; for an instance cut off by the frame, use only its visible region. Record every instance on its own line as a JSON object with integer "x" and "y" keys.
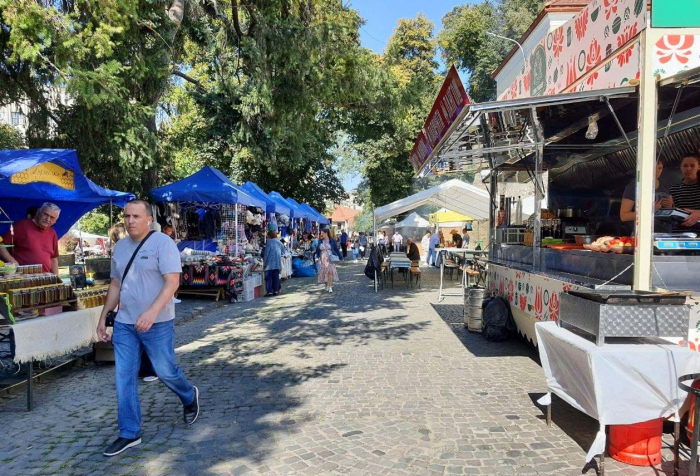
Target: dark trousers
{"x": 272, "y": 281}
{"x": 344, "y": 247}
{"x": 146, "y": 368}
{"x": 362, "y": 251}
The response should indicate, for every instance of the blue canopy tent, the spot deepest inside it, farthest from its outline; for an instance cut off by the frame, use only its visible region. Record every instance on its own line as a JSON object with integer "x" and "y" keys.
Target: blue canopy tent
{"x": 30, "y": 177}
{"x": 296, "y": 212}
{"x": 208, "y": 185}
{"x": 305, "y": 213}
{"x": 273, "y": 206}
{"x": 320, "y": 219}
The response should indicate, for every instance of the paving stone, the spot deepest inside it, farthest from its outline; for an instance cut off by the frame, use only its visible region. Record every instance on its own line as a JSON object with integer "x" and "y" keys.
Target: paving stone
{"x": 314, "y": 383}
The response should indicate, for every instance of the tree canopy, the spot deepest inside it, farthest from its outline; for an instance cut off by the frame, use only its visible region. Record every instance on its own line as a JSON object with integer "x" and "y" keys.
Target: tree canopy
{"x": 272, "y": 91}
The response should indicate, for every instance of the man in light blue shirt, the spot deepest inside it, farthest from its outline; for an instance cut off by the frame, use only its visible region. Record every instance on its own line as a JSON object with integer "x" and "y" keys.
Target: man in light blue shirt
{"x": 434, "y": 240}
{"x": 144, "y": 295}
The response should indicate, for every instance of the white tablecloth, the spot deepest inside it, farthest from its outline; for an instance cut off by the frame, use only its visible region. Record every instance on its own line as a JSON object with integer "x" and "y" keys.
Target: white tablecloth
{"x": 618, "y": 383}
{"x": 44, "y": 337}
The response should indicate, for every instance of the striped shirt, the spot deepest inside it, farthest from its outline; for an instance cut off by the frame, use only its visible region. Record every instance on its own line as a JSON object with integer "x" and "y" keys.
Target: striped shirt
{"x": 686, "y": 196}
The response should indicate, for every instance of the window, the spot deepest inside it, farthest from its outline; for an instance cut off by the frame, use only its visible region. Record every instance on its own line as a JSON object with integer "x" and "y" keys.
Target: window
{"x": 17, "y": 118}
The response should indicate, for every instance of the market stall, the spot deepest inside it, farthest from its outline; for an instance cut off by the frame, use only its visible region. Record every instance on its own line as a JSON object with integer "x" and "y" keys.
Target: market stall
{"x": 580, "y": 260}
{"x": 210, "y": 215}
{"x": 41, "y": 315}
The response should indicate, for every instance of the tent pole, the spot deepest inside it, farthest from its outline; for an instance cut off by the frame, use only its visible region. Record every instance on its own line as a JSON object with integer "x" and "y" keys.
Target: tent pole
{"x": 111, "y": 245}
{"x": 236, "y": 221}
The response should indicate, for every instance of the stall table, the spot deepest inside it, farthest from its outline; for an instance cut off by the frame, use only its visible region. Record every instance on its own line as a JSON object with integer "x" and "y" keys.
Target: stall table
{"x": 622, "y": 383}
{"x": 398, "y": 261}
{"x": 463, "y": 253}
{"x": 45, "y": 337}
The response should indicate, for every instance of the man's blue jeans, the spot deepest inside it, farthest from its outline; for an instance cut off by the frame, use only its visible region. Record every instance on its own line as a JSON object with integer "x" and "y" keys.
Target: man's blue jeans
{"x": 158, "y": 344}
{"x": 431, "y": 254}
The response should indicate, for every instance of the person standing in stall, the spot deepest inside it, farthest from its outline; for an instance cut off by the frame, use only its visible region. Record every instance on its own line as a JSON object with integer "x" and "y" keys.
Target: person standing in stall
{"x": 662, "y": 199}
{"x": 272, "y": 256}
{"x": 326, "y": 249}
{"x": 397, "y": 241}
{"x": 34, "y": 240}
{"x": 686, "y": 195}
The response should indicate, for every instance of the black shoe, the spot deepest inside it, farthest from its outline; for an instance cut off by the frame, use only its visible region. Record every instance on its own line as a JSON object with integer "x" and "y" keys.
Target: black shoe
{"x": 191, "y": 411}
{"x": 120, "y": 445}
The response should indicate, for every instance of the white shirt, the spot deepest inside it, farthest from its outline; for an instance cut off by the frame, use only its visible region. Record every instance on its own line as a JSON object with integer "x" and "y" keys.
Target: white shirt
{"x": 397, "y": 239}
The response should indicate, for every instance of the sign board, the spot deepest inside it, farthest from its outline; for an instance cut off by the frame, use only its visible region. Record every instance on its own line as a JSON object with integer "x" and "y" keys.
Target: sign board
{"x": 77, "y": 276}
{"x": 46, "y": 172}
{"x": 450, "y": 102}
{"x": 596, "y": 49}
{"x": 675, "y": 13}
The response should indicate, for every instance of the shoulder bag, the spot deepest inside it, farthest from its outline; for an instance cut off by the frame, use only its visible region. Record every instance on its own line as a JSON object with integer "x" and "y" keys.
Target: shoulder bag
{"x": 112, "y": 315}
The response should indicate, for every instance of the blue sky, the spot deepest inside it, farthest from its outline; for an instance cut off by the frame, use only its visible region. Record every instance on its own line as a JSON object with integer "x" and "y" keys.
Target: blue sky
{"x": 381, "y": 17}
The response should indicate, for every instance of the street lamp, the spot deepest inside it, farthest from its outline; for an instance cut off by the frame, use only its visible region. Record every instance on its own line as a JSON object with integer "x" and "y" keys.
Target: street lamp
{"x": 509, "y": 39}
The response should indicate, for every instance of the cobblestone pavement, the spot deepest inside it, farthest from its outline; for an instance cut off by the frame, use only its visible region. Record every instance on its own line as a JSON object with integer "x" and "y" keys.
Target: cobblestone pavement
{"x": 314, "y": 383}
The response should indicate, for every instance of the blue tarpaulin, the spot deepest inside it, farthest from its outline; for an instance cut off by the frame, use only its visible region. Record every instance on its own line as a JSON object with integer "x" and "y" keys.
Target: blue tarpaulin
{"x": 317, "y": 216}
{"x": 273, "y": 206}
{"x": 208, "y": 185}
{"x": 75, "y": 194}
{"x": 303, "y": 213}
{"x": 295, "y": 211}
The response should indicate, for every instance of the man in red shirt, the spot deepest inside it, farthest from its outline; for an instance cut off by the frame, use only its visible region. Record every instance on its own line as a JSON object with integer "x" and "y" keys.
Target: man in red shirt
{"x": 35, "y": 242}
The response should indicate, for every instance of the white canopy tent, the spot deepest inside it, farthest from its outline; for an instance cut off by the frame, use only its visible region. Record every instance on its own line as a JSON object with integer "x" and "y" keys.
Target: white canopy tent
{"x": 413, "y": 220}
{"x": 453, "y": 195}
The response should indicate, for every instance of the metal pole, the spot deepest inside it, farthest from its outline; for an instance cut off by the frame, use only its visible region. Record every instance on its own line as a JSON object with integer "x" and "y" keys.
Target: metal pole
{"x": 111, "y": 245}
{"x": 539, "y": 153}
{"x": 236, "y": 235}
{"x": 646, "y": 165}
{"x": 30, "y": 387}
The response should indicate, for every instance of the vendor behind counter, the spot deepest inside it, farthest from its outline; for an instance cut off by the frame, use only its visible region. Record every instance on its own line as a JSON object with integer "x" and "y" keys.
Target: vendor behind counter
{"x": 662, "y": 199}
{"x": 34, "y": 240}
{"x": 686, "y": 194}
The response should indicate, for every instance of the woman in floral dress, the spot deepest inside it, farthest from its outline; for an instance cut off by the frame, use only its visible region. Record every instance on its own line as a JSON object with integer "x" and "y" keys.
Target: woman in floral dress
{"x": 326, "y": 248}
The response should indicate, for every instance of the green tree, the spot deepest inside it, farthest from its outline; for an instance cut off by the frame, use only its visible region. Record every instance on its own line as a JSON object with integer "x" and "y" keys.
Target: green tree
{"x": 10, "y": 137}
{"x": 95, "y": 222}
{"x": 464, "y": 42}
{"x": 383, "y": 135}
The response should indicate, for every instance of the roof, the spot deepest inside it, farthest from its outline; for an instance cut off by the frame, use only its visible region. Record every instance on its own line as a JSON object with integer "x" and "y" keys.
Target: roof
{"x": 272, "y": 207}
{"x": 413, "y": 220}
{"x": 454, "y": 195}
{"x": 208, "y": 185}
{"x": 343, "y": 214}
{"x": 551, "y": 6}
{"x": 30, "y": 177}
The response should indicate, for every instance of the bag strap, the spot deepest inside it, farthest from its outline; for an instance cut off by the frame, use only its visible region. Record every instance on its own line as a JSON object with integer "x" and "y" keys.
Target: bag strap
{"x": 128, "y": 266}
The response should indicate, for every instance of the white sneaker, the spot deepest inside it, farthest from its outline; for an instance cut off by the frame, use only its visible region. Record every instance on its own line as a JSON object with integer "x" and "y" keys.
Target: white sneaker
{"x": 330, "y": 290}
{"x": 176, "y": 301}
{"x": 355, "y": 261}
{"x": 150, "y": 378}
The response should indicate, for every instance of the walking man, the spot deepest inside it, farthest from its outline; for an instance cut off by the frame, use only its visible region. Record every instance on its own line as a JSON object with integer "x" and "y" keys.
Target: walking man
{"x": 344, "y": 243}
{"x": 144, "y": 293}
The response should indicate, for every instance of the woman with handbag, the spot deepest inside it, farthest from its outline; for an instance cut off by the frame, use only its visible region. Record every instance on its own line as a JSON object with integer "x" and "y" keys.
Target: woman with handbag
{"x": 328, "y": 252}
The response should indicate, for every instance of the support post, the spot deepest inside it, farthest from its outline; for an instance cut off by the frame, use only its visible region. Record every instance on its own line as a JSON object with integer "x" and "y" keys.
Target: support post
{"x": 235, "y": 246}
{"x": 646, "y": 165}
{"x": 539, "y": 188}
{"x": 30, "y": 386}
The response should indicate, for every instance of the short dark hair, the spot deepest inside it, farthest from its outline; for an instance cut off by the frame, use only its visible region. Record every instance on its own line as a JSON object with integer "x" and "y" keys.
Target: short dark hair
{"x": 271, "y": 235}
{"x": 31, "y": 211}
{"x": 464, "y": 230}
{"x": 146, "y": 205}
{"x": 691, "y": 156}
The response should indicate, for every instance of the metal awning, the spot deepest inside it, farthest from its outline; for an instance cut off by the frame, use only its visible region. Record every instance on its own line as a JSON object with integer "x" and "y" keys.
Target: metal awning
{"x": 686, "y": 78}
{"x": 503, "y": 132}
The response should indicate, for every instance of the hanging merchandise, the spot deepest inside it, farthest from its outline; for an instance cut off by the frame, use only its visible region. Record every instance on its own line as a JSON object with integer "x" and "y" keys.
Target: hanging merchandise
{"x": 272, "y": 223}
